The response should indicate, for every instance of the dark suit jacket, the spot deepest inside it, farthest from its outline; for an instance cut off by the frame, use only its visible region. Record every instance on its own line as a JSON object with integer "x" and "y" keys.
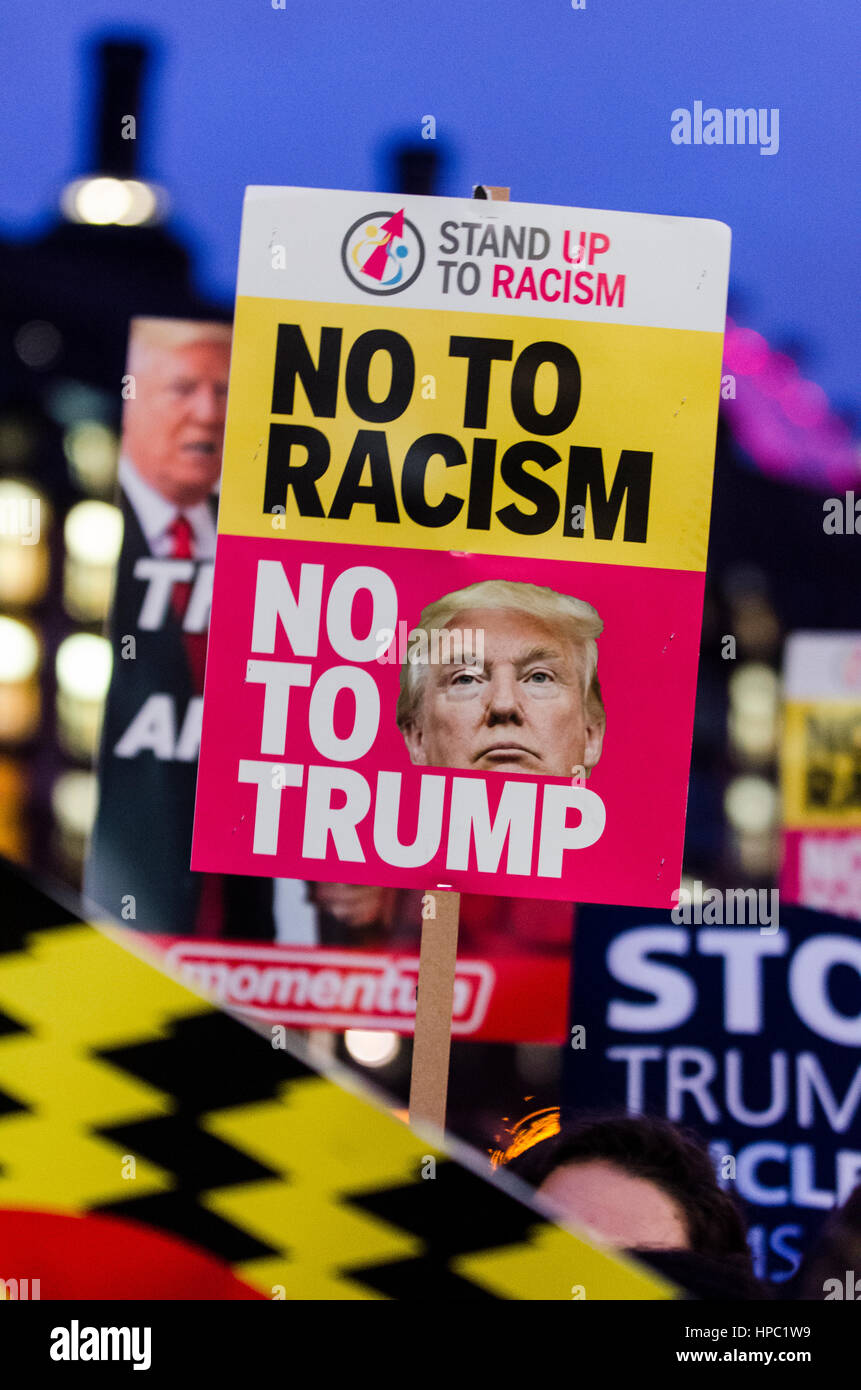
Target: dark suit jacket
{"x": 141, "y": 844}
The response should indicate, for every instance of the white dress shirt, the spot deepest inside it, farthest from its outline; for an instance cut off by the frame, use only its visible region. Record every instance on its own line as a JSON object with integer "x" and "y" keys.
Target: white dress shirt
{"x": 156, "y": 515}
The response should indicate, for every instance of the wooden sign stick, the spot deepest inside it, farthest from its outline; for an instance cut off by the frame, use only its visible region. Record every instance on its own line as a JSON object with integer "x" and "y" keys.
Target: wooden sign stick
{"x": 435, "y": 993}
{"x": 435, "y": 990}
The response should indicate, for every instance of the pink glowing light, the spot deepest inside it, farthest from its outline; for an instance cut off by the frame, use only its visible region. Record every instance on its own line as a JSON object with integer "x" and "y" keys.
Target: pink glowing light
{"x": 783, "y": 420}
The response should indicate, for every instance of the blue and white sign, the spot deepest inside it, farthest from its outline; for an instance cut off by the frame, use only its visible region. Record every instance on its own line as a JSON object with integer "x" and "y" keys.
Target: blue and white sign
{"x": 750, "y": 1035}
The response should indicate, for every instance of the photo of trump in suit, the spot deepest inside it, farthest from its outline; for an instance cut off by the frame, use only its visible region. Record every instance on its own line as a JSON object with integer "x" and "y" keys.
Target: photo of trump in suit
{"x": 170, "y": 464}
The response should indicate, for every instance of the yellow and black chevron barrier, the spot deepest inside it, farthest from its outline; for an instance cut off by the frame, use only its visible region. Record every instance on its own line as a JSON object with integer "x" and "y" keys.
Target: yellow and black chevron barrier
{"x": 129, "y": 1101}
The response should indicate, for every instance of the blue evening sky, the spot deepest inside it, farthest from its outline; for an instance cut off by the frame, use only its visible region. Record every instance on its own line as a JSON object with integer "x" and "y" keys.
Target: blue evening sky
{"x": 567, "y": 106}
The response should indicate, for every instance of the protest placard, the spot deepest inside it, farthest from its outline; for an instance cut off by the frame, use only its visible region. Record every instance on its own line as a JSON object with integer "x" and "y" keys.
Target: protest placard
{"x": 748, "y": 1034}
{"x": 462, "y": 536}
{"x": 174, "y": 401}
{"x": 821, "y": 772}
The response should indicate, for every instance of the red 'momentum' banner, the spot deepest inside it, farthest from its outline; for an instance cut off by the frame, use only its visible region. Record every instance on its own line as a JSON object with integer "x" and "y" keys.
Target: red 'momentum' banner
{"x": 519, "y": 996}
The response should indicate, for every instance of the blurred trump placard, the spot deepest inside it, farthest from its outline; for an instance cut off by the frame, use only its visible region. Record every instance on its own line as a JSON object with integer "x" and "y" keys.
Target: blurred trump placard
{"x": 175, "y": 397}
{"x": 462, "y": 536}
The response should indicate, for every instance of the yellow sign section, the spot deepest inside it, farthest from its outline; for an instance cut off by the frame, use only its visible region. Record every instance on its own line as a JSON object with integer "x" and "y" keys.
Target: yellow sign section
{"x": 438, "y": 430}
{"x": 821, "y": 764}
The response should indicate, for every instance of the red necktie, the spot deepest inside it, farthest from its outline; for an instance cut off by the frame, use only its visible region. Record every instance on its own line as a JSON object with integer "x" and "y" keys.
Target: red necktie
{"x": 210, "y": 912}
{"x": 182, "y": 536}
{"x": 181, "y": 533}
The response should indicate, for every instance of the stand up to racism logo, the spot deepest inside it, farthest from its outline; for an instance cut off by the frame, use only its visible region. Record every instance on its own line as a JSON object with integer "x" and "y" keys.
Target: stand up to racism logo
{"x": 383, "y": 253}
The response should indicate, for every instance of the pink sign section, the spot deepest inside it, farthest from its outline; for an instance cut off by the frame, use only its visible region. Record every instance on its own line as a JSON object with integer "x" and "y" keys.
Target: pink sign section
{"x": 822, "y": 869}
{"x": 304, "y": 772}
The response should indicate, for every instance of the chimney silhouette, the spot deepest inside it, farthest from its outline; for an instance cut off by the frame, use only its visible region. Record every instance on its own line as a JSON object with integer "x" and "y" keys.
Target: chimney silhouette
{"x": 119, "y": 73}
{"x": 416, "y": 168}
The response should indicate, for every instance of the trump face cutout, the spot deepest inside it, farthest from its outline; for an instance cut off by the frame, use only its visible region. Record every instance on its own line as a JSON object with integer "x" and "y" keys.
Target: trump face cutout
{"x": 529, "y": 705}
{"x": 173, "y": 426}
